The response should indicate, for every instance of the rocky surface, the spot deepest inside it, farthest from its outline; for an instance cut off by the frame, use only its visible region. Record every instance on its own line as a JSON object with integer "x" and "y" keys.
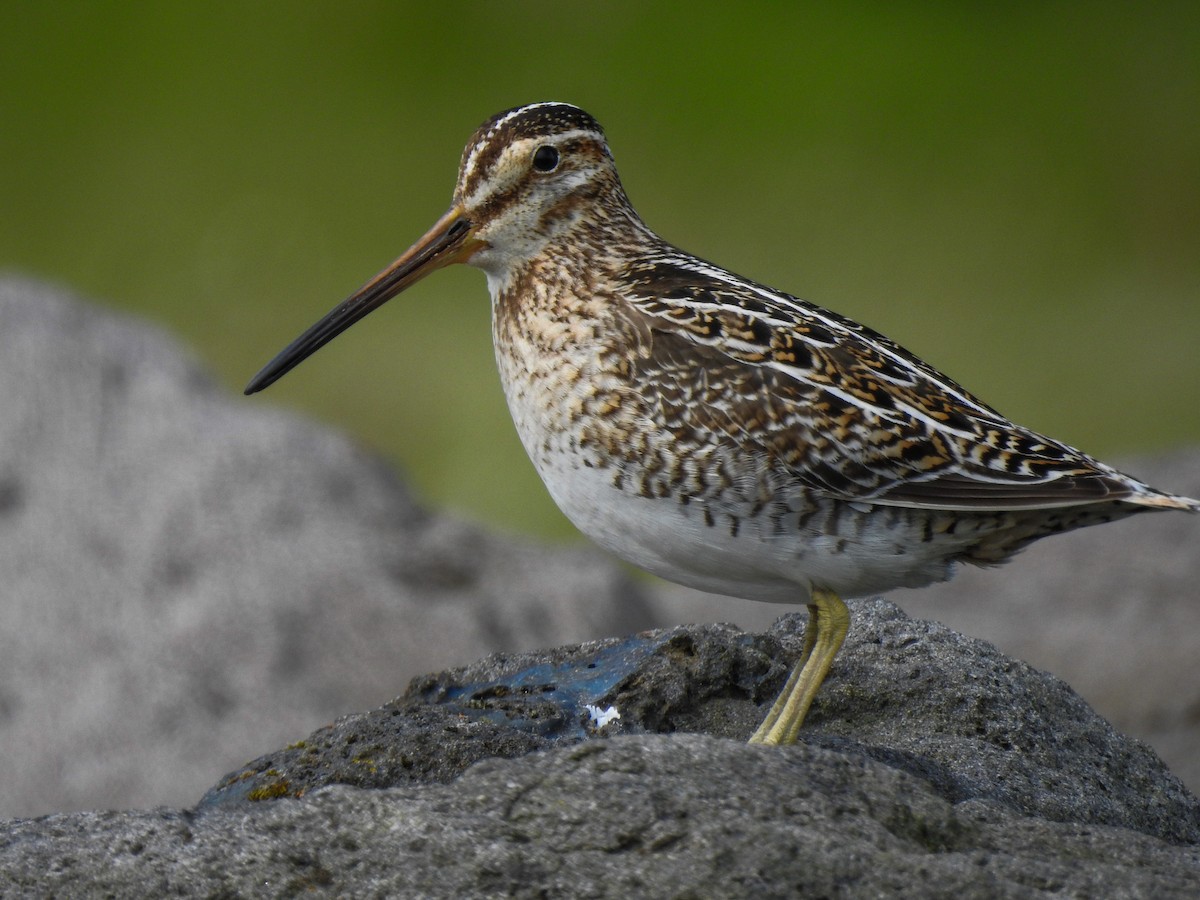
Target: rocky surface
{"x": 652, "y": 816}
{"x": 190, "y": 578}
{"x": 932, "y": 766}
{"x": 914, "y": 695}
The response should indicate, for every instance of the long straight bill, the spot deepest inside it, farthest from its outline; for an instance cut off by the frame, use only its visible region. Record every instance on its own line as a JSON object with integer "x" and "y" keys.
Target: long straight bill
{"x": 448, "y": 241}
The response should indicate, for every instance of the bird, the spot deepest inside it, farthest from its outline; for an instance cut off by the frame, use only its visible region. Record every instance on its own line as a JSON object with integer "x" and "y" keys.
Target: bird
{"x": 717, "y": 432}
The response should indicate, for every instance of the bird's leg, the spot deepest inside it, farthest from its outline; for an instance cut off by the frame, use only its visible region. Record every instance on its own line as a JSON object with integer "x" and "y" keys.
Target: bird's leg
{"x": 810, "y": 638}
{"x": 828, "y": 622}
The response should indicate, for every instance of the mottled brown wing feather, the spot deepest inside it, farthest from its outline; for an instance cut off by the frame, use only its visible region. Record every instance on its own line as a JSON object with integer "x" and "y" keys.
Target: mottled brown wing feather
{"x": 842, "y": 408}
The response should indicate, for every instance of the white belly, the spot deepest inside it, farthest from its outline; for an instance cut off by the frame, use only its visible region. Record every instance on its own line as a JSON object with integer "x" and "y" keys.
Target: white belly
{"x": 676, "y": 542}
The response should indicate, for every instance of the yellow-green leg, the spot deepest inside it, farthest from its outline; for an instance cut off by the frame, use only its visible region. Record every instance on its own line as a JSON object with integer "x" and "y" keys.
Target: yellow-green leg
{"x": 828, "y": 622}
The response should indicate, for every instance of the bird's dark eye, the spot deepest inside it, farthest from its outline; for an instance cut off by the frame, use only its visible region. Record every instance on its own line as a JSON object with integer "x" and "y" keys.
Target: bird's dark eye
{"x": 545, "y": 158}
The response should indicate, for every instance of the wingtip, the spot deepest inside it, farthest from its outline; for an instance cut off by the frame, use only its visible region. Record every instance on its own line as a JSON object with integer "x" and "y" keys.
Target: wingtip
{"x": 1167, "y": 501}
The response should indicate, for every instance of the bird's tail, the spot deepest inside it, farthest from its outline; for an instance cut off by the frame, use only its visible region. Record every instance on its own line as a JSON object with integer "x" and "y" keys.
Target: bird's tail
{"x": 1158, "y": 500}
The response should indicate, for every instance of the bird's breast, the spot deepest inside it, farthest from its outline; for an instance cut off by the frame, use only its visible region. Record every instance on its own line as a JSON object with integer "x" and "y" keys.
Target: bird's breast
{"x": 564, "y": 375}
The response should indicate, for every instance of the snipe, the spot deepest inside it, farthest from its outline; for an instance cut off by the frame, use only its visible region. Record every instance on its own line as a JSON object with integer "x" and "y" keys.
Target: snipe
{"x": 717, "y": 432}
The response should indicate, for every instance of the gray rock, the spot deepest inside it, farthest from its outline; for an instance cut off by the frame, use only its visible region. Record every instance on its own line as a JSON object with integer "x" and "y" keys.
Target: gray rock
{"x": 932, "y": 767}
{"x": 648, "y": 816}
{"x": 913, "y": 695}
{"x": 191, "y": 578}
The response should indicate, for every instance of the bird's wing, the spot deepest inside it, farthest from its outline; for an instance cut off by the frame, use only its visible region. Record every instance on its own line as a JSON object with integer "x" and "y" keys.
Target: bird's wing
{"x": 839, "y": 406}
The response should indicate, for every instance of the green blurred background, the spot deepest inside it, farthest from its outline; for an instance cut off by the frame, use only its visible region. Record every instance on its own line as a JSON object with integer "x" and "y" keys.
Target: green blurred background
{"x": 1010, "y": 190}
